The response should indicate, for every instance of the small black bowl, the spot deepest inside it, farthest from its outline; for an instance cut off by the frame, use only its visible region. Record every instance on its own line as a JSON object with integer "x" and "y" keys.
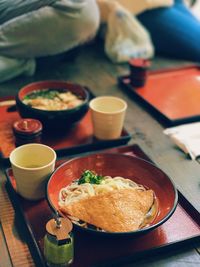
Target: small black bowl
{"x": 54, "y": 119}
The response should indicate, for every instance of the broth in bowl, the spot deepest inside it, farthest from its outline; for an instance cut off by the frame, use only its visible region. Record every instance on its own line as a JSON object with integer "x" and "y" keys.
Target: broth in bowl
{"x": 51, "y": 99}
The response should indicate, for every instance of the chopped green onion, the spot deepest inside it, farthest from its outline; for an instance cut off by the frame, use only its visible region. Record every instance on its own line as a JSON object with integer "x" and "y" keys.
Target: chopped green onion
{"x": 48, "y": 93}
{"x": 90, "y": 177}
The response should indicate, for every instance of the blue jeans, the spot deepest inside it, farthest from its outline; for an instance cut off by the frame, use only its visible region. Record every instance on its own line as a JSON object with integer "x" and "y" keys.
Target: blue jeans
{"x": 175, "y": 32}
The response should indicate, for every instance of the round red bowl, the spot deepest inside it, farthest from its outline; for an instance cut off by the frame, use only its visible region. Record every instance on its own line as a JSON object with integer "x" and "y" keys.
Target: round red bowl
{"x": 136, "y": 169}
{"x": 56, "y": 119}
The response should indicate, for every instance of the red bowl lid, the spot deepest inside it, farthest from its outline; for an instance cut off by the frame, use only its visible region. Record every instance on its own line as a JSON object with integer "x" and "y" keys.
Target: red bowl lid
{"x": 27, "y": 126}
{"x": 139, "y": 62}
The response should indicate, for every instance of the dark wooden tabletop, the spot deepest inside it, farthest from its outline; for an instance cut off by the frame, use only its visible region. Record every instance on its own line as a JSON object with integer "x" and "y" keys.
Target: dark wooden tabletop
{"x": 89, "y": 66}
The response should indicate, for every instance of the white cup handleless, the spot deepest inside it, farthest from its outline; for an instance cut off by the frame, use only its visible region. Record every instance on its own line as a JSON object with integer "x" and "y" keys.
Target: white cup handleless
{"x": 108, "y": 113}
{"x": 32, "y": 164}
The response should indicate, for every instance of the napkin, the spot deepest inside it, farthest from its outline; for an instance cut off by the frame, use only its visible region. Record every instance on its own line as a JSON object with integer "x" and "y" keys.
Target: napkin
{"x": 186, "y": 137}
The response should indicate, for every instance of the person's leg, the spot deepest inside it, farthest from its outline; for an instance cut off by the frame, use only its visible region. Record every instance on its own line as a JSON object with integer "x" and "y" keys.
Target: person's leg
{"x": 174, "y": 32}
{"x": 47, "y": 31}
{"x": 13, "y": 67}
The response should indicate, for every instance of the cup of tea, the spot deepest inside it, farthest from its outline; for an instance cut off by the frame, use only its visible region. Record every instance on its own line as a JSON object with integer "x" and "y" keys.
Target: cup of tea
{"x": 108, "y": 114}
{"x": 139, "y": 71}
{"x": 32, "y": 165}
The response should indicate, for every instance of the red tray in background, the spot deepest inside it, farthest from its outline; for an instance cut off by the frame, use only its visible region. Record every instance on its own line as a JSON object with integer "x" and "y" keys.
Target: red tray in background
{"x": 79, "y": 139}
{"x": 94, "y": 250}
{"x": 172, "y": 95}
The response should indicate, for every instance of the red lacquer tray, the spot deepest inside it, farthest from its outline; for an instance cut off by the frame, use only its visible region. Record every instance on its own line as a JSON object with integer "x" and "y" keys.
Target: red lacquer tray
{"x": 93, "y": 250}
{"x": 77, "y": 140}
{"x": 172, "y": 95}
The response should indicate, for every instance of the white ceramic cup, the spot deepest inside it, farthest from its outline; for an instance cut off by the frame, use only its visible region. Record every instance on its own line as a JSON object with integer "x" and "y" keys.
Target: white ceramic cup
{"x": 108, "y": 113}
{"x": 32, "y": 164}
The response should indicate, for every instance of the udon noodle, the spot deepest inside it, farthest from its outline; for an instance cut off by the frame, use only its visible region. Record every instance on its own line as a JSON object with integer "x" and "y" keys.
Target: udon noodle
{"x": 75, "y": 192}
{"x": 108, "y": 204}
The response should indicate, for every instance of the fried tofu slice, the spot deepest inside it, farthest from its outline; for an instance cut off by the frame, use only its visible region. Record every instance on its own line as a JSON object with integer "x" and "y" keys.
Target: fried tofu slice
{"x": 121, "y": 210}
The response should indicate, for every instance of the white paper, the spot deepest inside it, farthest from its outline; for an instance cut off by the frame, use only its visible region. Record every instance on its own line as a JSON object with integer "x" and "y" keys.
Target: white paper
{"x": 186, "y": 137}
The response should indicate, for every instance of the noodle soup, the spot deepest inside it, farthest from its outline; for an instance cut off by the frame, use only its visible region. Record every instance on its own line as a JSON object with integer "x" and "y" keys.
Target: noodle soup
{"x": 52, "y": 99}
{"x": 58, "y": 105}
{"x": 117, "y": 206}
{"x": 98, "y": 202}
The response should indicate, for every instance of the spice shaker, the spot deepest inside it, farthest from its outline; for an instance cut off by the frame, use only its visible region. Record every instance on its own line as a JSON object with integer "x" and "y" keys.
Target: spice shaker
{"x": 138, "y": 71}
{"x": 58, "y": 242}
{"x": 27, "y": 131}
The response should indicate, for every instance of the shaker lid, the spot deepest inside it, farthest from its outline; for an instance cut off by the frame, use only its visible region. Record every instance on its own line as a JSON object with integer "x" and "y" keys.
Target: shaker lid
{"x": 27, "y": 126}
{"x": 60, "y": 228}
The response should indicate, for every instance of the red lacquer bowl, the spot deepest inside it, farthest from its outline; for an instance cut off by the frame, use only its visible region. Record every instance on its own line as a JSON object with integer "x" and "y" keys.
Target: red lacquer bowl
{"x": 136, "y": 169}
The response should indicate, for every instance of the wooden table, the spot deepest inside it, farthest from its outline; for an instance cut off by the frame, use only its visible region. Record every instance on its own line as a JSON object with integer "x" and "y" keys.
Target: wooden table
{"x": 91, "y": 67}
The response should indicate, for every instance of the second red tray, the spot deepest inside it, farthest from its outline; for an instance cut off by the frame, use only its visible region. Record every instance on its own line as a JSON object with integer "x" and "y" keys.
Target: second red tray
{"x": 172, "y": 95}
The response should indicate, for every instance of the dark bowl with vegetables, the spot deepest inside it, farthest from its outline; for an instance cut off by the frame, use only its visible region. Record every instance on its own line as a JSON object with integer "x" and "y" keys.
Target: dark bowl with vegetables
{"x": 57, "y": 104}
{"x": 70, "y": 192}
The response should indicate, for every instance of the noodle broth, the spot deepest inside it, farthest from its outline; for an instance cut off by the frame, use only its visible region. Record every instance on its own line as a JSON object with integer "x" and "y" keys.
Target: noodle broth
{"x": 75, "y": 192}
{"x": 52, "y": 99}
{"x": 158, "y": 190}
